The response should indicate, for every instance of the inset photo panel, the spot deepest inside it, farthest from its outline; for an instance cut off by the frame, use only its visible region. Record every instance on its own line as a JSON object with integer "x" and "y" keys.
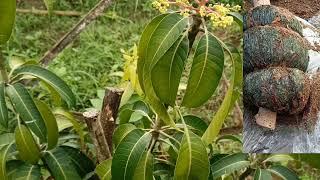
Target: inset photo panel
{"x": 281, "y": 84}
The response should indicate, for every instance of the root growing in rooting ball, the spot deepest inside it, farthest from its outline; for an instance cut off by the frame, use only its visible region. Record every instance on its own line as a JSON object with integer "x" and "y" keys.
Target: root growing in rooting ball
{"x": 268, "y": 46}
{"x": 271, "y": 15}
{"x": 282, "y": 90}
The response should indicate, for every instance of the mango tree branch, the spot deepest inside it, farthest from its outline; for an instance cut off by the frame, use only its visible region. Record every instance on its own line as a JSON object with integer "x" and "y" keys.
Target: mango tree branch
{"x": 260, "y": 2}
{"x": 74, "y": 32}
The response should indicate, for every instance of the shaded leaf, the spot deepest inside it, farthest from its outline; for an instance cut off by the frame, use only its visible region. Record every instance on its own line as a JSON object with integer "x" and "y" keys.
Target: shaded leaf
{"x": 29, "y": 150}
{"x": 3, "y": 107}
{"x": 229, "y": 164}
{"x": 198, "y": 124}
{"x": 51, "y": 124}
{"x": 51, "y": 79}
{"x": 144, "y": 170}
{"x": 26, "y": 108}
{"x": 128, "y": 154}
{"x": 121, "y": 132}
{"x": 283, "y": 172}
{"x": 6, "y": 139}
{"x": 60, "y": 165}
{"x": 4, "y": 151}
{"x": 262, "y": 174}
{"x": 26, "y": 172}
{"x": 206, "y": 71}
{"x": 167, "y": 72}
{"x": 81, "y": 162}
{"x": 103, "y": 170}
{"x": 158, "y": 36}
{"x": 7, "y": 17}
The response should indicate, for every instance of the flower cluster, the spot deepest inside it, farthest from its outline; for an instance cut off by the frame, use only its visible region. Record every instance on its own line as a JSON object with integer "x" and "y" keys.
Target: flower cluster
{"x": 219, "y": 16}
{"x": 161, "y": 5}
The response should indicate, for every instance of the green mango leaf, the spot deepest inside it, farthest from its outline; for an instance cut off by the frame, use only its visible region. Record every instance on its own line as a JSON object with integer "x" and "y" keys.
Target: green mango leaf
{"x": 229, "y": 137}
{"x": 121, "y": 132}
{"x": 197, "y": 124}
{"x": 4, "y": 151}
{"x": 29, "y": 150}
{"x": 60, "y": 165}
{"x": 51, "y": 124}
{"x": 76, "y": 125}
{"x": 6, "y": 139}
{"x": 193, "y": 160}
{"x": 262, "y": 174}
{"x": 206, "y": 71}
{"x": 3, "y": 107}
{"x": 128, "y": 154}
{"x": 237, "y": 17}
{"x": 166, "y": 74}
{"x": 231, "y": 97}
{"x": 158, "y": 36}
{"x": 7, "y": 17}
{"x": 26, "y": 171}
{"x": 283, "y": 172}
{"x": 28, "y": 111}
{"x": 81, "y": 162}
{"x": 103, "y": 170}
{"x": 283, "y": 158}
{"x": 11, "y": 167}
{"x": 51, "y": 79}
{"x": 144, "y": 170}
{"x": 229, "y": 164}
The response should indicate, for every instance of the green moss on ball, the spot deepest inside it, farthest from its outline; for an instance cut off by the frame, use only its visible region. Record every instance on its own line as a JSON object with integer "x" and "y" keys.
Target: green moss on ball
{"x": 268, "y": 46}
{"x": 282, "y": 90}
{"x": 271, "y": 15}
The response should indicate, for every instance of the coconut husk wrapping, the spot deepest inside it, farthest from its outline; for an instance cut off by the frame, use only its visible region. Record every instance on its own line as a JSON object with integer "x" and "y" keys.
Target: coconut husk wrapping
{"x": 271, "y": 15}
{"x": 282, "y": 90}
{"x": 269, "y": 46}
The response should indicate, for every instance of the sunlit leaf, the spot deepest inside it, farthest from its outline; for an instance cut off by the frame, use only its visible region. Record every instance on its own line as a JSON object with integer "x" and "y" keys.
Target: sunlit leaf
{"x": 197, "y": 124}
{"x": 128, "y": 154}
{"x": 103, "y": 170}
{"x": 193, "y": 161}
{"x": 29, "y": 150}
{"x": 51, "y": 124}
{"x": 229, "y": 137}
{"x": 7, "y": 17}
{"x": 229, "y": 100}
{"x": 206, "y": 71}
{"x": 27, "y": 110}
{"x": 262, "y": 174}
{"x": 237, "y": 17}
{"x": 229, "y": 164}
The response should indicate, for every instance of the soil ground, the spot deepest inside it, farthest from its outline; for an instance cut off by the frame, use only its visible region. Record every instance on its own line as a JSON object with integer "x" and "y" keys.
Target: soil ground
{"x": 302, "y": 8}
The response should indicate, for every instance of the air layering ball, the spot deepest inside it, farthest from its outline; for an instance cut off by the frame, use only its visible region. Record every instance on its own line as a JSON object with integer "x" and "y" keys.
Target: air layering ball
{"x": 282, "y": 90}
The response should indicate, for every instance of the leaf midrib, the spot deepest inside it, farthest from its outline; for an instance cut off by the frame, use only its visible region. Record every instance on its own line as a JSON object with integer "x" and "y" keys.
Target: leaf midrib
{"x": 59, "y": 166}
{"x": 225, "y": 167}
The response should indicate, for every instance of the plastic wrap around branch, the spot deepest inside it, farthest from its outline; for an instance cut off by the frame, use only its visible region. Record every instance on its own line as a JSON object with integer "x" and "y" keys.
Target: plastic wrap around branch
{"x": 286, "y": 138}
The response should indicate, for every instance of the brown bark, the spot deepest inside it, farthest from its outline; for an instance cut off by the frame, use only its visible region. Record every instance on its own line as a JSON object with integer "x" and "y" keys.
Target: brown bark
{"x": 101, "y": 126}
{"x": 74, "y": 32}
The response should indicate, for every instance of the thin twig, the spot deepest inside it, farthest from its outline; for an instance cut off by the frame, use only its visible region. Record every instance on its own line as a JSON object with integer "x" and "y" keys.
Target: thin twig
{"x": 75, "y": 31}
{"x": 45, "y": 12}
